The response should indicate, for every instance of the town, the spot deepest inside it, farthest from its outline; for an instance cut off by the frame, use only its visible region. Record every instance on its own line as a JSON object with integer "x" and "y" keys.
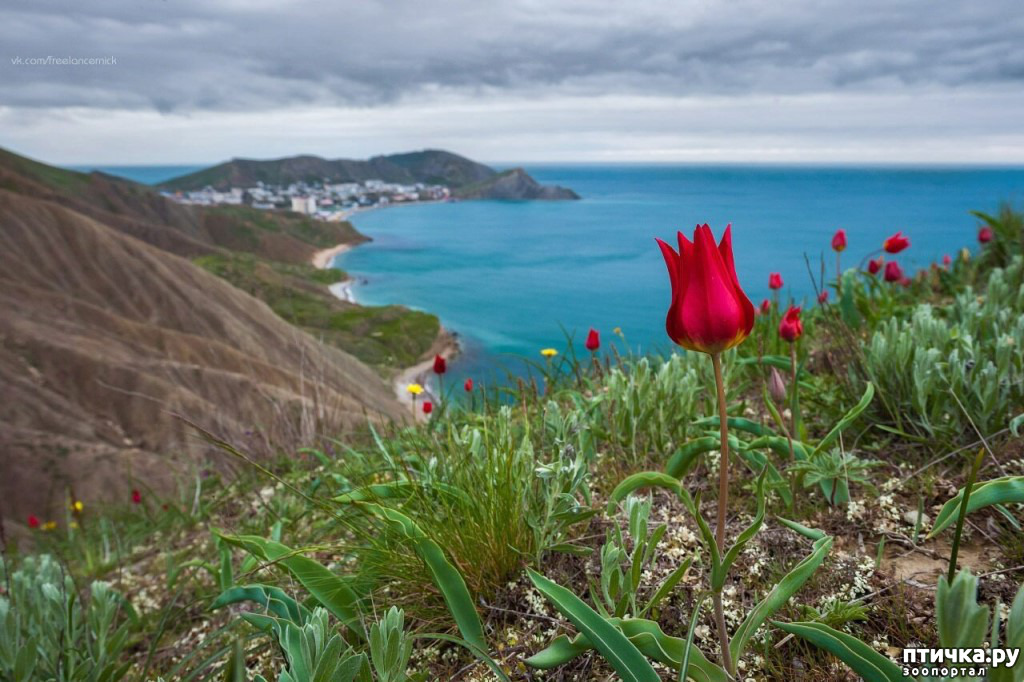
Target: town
{"x": 324, "y": 201}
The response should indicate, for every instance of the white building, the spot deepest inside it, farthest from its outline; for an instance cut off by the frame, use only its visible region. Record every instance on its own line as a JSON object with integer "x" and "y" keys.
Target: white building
{"x": 305, "y": 205}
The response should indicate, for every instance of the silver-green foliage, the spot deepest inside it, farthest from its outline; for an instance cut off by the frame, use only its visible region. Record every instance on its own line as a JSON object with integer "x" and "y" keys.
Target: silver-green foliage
{"x": 644, "y": 400}
{"x": 48, "y": 632}
{"x": 390, "y": 647}
{"x": 315, "y": 652}
{"x": 973, "y": 347}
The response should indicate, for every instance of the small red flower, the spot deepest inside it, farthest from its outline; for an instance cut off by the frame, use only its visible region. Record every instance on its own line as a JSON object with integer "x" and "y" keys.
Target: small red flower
{"x": 33, "y": 521}
{"x": 906, "y": 282}
{"x": 947, "y": 260}
{"x": 823, "y": 296}
{"x": 766, "y": 306}
{"x": 593, "y": 340}
{"x": 893, "y": 272}
{"x": 136, "y": 497}
{"x": 875, "y": 265}
{"x": 895, "y": 243}
{"x": 791, "y": 328}
{"x": 440, "y": 365}
{"x": 985, "y": 234}
{"x": 839, "y": 240}
{"x": 428, "y": 407}
{"x": 775, "y": 281}
{"x": 468, "y": 385}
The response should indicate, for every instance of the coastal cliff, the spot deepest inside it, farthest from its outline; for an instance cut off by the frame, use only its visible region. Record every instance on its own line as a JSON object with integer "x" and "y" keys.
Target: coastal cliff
{"x": 122, "y": 311}
{"x": 465, "y": 178}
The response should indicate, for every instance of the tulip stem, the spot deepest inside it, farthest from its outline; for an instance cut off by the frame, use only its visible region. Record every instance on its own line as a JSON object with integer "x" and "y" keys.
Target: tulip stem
{"x": 839, "y": 276}
{"x": 723, "y": 499}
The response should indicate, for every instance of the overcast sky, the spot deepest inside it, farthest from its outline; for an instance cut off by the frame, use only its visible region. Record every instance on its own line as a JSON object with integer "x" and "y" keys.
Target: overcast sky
{"x": 199, "y": 81}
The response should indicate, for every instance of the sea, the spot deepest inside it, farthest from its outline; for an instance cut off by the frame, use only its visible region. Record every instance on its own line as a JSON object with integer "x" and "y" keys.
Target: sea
{"x": 513, "y": 277}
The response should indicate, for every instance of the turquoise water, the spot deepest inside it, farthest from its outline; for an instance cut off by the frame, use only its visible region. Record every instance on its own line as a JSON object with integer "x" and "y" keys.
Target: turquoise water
{"x": 509, "y": 276}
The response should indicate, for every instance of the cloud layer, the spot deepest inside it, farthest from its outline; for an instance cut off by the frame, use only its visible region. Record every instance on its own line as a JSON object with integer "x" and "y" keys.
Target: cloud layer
{"x": 734, "y": 73}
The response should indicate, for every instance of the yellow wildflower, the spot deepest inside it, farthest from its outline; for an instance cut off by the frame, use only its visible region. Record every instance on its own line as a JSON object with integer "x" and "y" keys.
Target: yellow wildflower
{"x": 77, "y": 506}
{"x": 618, "y": 331}
{"x": 415, "y": 389}
{"x": 548, "y": 352}
{"x": 50, "y": 525}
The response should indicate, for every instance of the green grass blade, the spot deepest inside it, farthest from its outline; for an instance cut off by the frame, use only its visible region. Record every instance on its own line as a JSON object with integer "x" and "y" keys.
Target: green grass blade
{"x": 444, "y": 575}
{"x": 613, "y": 645}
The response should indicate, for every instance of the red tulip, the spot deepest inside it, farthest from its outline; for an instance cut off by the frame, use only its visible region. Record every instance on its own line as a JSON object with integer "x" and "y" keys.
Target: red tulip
{"x": 823, "y": 296}
{"x": 874, "y": 266}
{"x": 947, "y": 260}
{"x": 709, "y": 311}
{"x": 896, "y": 243}
{"x": 33, "y": 521}
{"x": 468, "y": 385}
{"x": 766, "y": 306}
{"x": 791, "y": 328}
{"x": 893, "y": 272}
{"x": 985, "y": 234}
{"x": 428, "y": 407}
{"x": 775, "y": 281}
{"x": 440, "y": 365}
{"x": 839, "y": 240}
{"x": 593, "y": 340}
{"x": 136, "y": 497}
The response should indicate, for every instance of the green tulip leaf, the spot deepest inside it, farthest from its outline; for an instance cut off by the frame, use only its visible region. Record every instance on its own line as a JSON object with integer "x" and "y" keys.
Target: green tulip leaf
{"x": 621, "y": 654}
{"x": 779, "y": 595}
{"x": 862, "y": 659}
{"x": 683, "y": 459}
{"x": 1006, "y": 490}
{"x": 848, "y": 418}
{"x": 330, "y": 590}
{"x": 647, "y": 636}
{"x": 271, "y": 598}
{"x": 643, "y": 479}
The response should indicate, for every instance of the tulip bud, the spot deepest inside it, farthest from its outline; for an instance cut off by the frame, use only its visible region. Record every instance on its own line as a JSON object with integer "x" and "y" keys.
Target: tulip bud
{"x": 766, "y": 306}
{"x": 593, "y": 340}
{"x": 823, "y": 296}
{"x": 775, "y": 281}
{"x": 776, "y": 387}
{"x": 947, "y": 260}
{"x": 468, "y": 385}
{"x": 985, "y": 234}
{"x": 440, "y": 364}
{"x": 893, "y": 272}
{"x": 790, "y": 327}
{"x": 136, "y": 497}
{"x": 428, "y": 407}
{"x": 895, "y": 243}
{"x": 839, "y": 240}
{"x": 709, "y": 312}
{"x": 875, "y": 265}
{"x": 33, "y": 521}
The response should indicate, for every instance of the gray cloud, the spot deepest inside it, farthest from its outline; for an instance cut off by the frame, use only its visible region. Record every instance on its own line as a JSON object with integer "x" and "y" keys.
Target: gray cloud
{"x": 232, "y": 55}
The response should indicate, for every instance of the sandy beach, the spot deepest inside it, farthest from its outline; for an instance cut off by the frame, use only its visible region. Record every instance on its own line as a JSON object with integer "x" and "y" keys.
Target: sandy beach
{"x": 446, "y": 343}
{"x": 322, "y": 259}
{"x": 422, "y": 373}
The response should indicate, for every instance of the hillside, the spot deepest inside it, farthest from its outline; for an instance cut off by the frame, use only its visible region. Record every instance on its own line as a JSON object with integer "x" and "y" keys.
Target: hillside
{"x": 121, "y": 309}
{"x": 429, "y": 166}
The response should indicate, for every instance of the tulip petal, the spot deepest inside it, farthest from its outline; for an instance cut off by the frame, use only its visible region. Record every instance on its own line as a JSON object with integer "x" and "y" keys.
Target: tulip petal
{"x": 671, "y": 258}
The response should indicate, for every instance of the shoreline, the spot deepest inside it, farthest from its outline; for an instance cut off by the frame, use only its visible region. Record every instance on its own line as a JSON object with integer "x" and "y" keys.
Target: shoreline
{"x": 446, "y": 344}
